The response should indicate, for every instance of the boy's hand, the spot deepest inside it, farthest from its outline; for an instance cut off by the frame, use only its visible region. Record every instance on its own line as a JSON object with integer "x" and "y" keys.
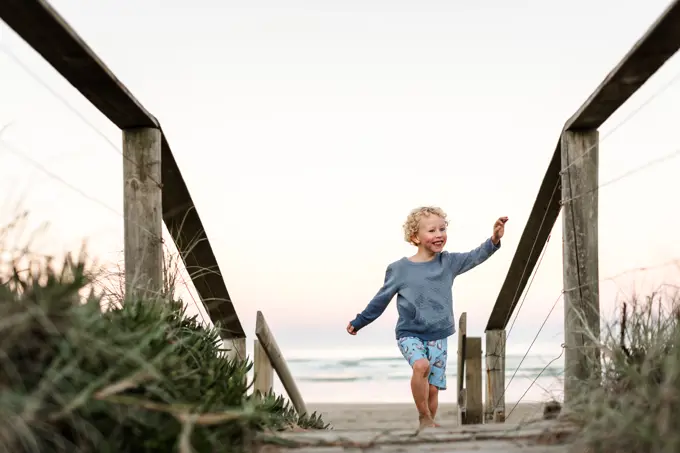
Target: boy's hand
{"x": 498, "y": 230}
{"x": 350, "y": 329}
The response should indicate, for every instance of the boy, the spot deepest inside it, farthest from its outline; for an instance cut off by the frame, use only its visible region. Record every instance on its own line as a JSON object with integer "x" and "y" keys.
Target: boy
{"x": 423, "y": 285}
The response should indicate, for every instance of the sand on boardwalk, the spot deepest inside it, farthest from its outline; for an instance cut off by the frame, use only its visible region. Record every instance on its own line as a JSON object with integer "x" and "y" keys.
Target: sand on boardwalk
{"x": 404, "y": 416}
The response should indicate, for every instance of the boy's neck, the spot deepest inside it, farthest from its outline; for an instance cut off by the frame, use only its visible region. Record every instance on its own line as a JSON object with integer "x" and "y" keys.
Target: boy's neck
{"x": 422, "y": 255}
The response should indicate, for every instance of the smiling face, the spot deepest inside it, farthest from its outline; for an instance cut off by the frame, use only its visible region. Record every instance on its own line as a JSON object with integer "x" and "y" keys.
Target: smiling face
{"x": 431, "y": 235}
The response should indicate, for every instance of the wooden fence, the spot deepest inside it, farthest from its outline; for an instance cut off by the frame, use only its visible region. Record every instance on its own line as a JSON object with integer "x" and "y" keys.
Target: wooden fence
{"x": 268, "y": 358}
{"x": 154, "y": 189}
{"x": 155, "y": 192}
{"x": 573, "y": 169}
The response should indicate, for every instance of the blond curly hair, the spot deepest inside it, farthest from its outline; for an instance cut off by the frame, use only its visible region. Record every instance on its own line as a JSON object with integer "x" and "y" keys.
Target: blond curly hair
{"x": 412, "y": 223}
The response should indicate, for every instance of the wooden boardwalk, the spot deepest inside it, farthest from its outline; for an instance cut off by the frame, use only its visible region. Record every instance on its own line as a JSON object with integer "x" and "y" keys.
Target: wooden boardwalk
{"x": 533, "y": 437}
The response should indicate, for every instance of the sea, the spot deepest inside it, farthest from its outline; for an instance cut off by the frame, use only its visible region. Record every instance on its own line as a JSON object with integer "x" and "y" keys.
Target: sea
{"x": 384, "y": 377}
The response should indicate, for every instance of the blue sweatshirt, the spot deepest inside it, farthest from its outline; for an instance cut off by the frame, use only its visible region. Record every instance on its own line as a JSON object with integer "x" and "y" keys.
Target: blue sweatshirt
{"x": 424, "y": 293}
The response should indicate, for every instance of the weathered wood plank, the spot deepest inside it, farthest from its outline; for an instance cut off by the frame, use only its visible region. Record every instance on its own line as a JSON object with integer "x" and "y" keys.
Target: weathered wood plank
{"x": 656, "y": 46}
{"x": 580, "y": 259}
{"x": 541, "y": 436}
{"x": 142, "y": 206}
{"x": 460, "y": 376}
{"x": 511, "y": 446}
{"x": 54, "y": 39}
{"x": 659, "y": 43}
{"x": 264, "y": 372}
{"x": 474, "y": 406}
{"x": 494, "y": 410}
{"x": 236, "y": 348}
{"x": 271, "y": 348}
{"x": 43, "y": 28}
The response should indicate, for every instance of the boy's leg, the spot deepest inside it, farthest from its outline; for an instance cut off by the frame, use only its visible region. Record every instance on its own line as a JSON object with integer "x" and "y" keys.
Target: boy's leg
{"x": 414, "y": 352}
{"x": 433, "y": 400}
{"x": 438, "y": 354}
{"x": 420, "y": 389}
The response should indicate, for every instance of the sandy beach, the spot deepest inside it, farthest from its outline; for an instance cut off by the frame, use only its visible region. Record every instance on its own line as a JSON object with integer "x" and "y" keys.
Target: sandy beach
{"x": 402, "y": 415}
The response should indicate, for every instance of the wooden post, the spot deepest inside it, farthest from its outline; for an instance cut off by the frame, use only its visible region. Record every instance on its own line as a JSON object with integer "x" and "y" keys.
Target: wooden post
{"x": 237, "y": 348}
{"x": 460, "y": 373}
{"x": 474, "y": 407}
{"x": 272, "y": 350}
{"x": 264, "y": 372}
{"x": 143, "y": 212}
{"x": 580, "y": 260}
{"x": 495, "y": 376}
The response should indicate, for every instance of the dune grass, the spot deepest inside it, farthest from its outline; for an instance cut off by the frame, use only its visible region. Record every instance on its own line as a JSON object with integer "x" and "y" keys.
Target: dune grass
{"x": 138, "y": 377}
{"x": 636, "y": 406}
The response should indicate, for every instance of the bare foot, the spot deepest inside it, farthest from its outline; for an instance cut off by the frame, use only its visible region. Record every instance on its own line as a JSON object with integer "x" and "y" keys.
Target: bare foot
{"x": 426, "y": 422}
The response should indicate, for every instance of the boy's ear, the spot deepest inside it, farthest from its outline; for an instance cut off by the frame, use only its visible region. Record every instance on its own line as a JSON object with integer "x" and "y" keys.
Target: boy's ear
{"x": 415, "y": 239}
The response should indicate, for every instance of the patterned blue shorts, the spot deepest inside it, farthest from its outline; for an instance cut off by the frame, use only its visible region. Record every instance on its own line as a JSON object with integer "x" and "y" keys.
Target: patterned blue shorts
{"x": 434, "y": 351}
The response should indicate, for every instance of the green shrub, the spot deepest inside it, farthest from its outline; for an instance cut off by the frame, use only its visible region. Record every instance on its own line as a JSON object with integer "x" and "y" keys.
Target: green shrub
{"x": 139, "y": 378}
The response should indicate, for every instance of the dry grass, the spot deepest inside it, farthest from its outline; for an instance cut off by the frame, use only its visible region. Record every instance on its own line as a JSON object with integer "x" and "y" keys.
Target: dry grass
{"x": 636, "y": 407}
{"x": 139, "y": 377}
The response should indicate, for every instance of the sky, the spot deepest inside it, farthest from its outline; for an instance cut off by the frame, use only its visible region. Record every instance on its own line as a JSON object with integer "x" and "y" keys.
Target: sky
{"x": 307, "y": 130}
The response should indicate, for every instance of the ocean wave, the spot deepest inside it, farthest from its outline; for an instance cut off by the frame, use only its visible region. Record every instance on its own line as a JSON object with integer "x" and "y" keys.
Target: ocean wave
{"x": 333, "y": 379}
{"x": 395, "y": 369}
{"x": 522, "y": 374}
{"x": 347, "y": 362}
{"x": 396, "y": 357}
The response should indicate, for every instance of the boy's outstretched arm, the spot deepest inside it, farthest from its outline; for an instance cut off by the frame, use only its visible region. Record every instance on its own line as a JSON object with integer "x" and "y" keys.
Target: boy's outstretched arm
{"x": 378, "y": 304}
{"x": 463, "y": 262}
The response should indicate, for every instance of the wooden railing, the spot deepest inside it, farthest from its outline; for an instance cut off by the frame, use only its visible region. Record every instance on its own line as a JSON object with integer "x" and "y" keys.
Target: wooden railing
{"x": 154, "y": 189}
{"x": 268, "y": 359}
{"x": 573, "y": 169}
{"x": 471, "y": 408}
{"x": 469, "y": 375}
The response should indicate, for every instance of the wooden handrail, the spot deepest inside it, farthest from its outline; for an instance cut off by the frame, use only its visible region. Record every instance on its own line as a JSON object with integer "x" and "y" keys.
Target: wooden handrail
{"x": 268, "y": 343}
{"x": 48, "y": 33}
{"x": 645, "y": 58}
